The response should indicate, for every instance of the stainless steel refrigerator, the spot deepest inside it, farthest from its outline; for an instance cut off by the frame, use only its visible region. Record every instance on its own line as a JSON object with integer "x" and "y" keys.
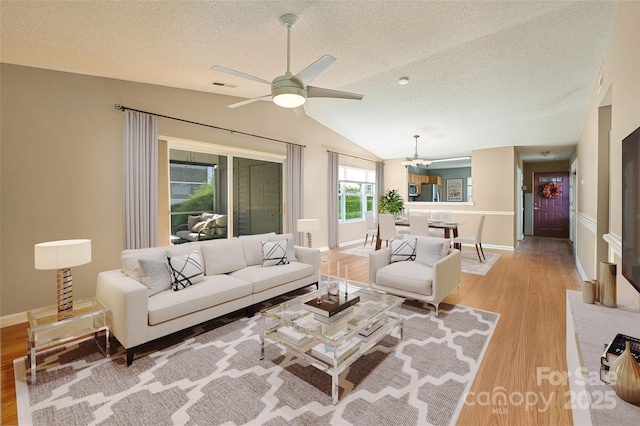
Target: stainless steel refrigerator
{"x": 429, "y": 192}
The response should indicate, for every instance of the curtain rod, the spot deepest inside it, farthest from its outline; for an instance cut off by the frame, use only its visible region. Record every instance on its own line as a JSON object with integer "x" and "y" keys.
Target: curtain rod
{"x": 122, "y": 108}
{"x": 354, "y": 156}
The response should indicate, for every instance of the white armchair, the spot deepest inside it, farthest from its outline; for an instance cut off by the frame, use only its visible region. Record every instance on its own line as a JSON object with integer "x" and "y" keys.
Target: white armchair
{"x": 432, "y": 276}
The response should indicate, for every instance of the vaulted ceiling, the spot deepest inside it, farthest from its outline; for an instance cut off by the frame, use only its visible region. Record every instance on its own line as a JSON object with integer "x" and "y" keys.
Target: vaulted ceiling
{"x": 481, "y": 73}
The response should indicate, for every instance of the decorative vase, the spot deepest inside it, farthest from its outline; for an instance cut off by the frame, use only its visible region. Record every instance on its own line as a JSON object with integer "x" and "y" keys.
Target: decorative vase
{"x": 627, "y": 376}
{"x": 608, "y": 284}
{"x": 589, "y": 291}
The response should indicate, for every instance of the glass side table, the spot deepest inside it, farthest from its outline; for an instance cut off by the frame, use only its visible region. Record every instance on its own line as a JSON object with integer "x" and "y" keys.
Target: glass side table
{"x": 47, "y": 331}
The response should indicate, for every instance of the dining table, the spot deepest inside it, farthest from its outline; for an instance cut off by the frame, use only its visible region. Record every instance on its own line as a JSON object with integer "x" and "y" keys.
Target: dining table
{"x": 450, "y": 230}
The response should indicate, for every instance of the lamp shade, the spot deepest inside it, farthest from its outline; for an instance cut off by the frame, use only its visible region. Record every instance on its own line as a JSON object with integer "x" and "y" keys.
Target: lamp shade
{"x": 308, "y": 225}
{"x": 62, "y": 254}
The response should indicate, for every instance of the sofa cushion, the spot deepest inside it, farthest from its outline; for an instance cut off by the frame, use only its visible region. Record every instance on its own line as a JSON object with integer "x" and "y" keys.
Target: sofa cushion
{"x": 155, "y": 275}
{"x": 266, "y": 278}
{"x": 428, "y": 252}
{"x": 130, "y": 258}
{"x": 274, "y": 253}
{"x": 212, "y": 291}
{"x": 223, "y": 256}
{"x": 413, "y": 277}
{"x": 402, "y": 250}
{"x": 185, "y": 270}
{"x": 252, "y": 247}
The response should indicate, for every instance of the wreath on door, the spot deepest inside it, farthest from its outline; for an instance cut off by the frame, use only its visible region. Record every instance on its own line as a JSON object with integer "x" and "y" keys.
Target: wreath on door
{"x": 551, "y": 190}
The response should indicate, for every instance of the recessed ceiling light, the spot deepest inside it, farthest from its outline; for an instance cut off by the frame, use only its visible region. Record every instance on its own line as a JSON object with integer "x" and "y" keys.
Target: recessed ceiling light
{"x": 403, "y": 81}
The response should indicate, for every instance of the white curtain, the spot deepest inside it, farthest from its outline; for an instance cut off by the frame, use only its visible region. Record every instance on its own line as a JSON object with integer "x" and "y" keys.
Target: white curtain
{"x": 332, "y": 202}
{"x": 140, "y": 167}
{"x": 295, "y": 186}
{"x": 379, "y": 183}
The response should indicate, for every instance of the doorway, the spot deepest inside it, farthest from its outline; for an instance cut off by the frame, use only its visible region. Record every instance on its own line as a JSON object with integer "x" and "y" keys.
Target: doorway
{"x": 551, "y": 204}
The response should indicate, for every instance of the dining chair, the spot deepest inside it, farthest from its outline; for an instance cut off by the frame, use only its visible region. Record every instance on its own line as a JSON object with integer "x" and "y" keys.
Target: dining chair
{"x": 474, "y": 239}
{"x": 387, "y": 227}
{"x": 439, "y": 216}
{"x": 372, "y": 227}
{"x": 418, "y": 224}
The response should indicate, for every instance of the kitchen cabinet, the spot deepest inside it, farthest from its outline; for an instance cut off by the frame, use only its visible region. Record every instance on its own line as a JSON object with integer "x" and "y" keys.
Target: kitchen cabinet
{"x": 420, "y": 179}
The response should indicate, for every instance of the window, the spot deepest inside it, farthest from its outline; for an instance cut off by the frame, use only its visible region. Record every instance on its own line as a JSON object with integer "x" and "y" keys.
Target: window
{"x": 356, "y": 193}
{"x": 194, "y": 186}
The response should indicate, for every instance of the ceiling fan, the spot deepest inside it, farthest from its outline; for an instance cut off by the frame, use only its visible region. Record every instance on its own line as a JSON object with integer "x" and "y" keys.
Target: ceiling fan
{"x": 288, "y": 90}
{"x": 416, "y": 161}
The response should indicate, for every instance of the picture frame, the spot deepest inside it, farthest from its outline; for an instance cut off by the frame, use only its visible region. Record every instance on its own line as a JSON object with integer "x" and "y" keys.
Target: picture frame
{"x": 454, "y": 189}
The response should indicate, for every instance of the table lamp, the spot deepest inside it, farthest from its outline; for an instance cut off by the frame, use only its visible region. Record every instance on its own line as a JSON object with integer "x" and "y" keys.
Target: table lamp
{"x": 308, "y": 226}
{"x": 62, "y": 255}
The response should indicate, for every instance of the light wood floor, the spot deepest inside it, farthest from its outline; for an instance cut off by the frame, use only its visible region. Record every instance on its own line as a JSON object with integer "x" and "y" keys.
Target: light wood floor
{"x": 526, "y": 287}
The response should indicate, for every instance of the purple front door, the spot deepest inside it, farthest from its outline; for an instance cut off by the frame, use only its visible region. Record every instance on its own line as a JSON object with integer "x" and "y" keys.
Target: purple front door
{"x": 551, "y": 204}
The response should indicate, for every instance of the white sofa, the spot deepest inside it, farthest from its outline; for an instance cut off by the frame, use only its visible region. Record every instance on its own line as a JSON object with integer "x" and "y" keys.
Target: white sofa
{"x": 429, "y": 275}
{"x": 140, "y": 310}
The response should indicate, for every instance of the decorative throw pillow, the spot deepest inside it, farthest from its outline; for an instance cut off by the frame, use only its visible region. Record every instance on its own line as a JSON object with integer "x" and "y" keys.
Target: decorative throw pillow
{"x": 291, "y": 251}
{"x": 199, "y": 226}
{"x": 204, "y": 225}
{"x": 274, "y": 253}
{"x": 403, "y": 249}
{"x": 154, "y": 275}
{"x": 192, "y": 220}
{"x": 185, "y": 270}
{"x": 429, "y": 252}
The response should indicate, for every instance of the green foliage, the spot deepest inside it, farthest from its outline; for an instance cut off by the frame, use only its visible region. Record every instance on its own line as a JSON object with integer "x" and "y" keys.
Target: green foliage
{"x": 200, "y": 201}
{"x": 391, "y": 202}
{"x": 353, "y": 208}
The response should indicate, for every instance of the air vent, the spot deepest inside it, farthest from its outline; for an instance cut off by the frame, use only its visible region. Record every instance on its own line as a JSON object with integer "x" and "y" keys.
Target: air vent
{"x": 220, "y": 84}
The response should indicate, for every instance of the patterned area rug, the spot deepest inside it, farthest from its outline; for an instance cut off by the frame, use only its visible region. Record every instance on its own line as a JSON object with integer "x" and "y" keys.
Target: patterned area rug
{"x": 212, "y": 374}
{"x": 470, "y": 263}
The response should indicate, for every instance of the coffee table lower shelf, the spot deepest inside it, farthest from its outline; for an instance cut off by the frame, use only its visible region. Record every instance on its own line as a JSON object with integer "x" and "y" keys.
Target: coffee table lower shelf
{"x": 333, "y": 365}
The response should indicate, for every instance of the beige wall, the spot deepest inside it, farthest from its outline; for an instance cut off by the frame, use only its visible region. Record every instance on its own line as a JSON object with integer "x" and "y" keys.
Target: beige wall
{"x": 61, "y": 170}
{"x": 621, "y": 90}
{"x": 542, "y": 166}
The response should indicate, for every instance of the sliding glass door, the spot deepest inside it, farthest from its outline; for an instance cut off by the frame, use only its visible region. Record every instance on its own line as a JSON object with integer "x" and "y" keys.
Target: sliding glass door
{"x": 257, "y": 206}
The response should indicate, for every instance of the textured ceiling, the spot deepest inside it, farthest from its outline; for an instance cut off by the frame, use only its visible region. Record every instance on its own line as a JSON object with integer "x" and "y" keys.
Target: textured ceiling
{"x": 482, "y": 73}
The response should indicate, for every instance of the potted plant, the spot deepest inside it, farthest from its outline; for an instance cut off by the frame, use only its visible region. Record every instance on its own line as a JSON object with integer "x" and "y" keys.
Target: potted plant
{"x": 391, "y": 202}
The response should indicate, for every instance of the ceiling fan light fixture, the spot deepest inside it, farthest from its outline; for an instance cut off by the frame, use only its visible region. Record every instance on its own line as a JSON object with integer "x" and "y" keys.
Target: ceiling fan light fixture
{"x": 289, "y": 100}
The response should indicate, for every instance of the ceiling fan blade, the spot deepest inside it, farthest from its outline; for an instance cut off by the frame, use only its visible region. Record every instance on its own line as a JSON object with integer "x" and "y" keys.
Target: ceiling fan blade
{"x": 319, "y": 92}
{"x": 300, "y": 111}
{"x": 312, "y": 71}
{"x": 239, "y": 74}
{"x": 248, "y": 101}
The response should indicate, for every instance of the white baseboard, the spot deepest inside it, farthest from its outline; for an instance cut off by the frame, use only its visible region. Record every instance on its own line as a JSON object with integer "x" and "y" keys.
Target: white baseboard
{"x": 9, "y": 320}
{"x": 350, "y": 243}
{"x": 583, "y": 275}
{"x": 490, "y": 246}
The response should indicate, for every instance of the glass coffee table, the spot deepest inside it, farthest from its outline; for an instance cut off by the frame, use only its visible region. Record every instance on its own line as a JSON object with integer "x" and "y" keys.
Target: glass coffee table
{"x": 48, "y": 330}
{"x": 331, "y": 345}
